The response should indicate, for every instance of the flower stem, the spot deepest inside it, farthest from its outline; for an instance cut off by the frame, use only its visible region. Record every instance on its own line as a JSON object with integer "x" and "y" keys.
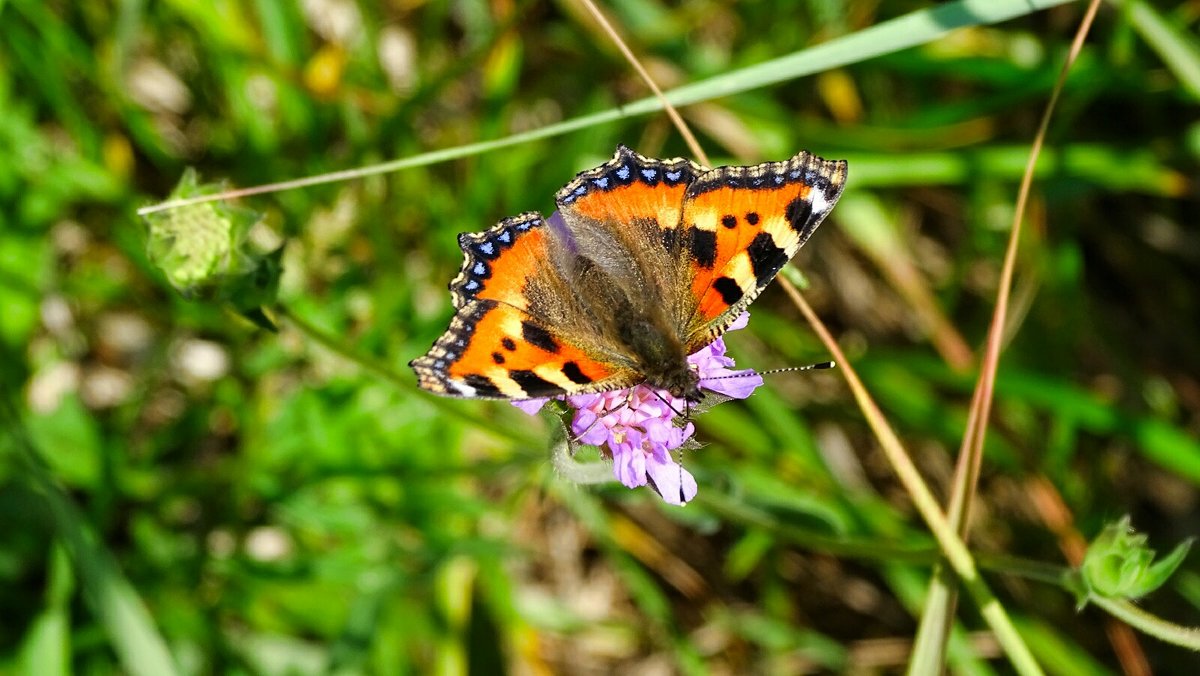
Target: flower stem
{"x": 578, "y": 472}
{"x": 1169, "y": 632}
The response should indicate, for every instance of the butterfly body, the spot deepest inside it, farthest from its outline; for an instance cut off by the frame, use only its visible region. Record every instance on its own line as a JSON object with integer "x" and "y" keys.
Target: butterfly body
{"x": 645, "y": 262}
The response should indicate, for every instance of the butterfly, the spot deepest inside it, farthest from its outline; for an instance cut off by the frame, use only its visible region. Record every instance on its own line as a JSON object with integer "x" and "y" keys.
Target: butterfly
{"x": 644, "y": 262}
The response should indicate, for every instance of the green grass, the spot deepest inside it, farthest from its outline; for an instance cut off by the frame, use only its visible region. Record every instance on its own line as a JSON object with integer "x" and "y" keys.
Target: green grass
{"x": 302, "y": 508}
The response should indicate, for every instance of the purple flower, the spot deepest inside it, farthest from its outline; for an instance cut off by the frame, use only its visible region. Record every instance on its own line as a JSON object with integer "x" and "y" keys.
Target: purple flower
{"x": 714, "y": 367}
{"x": 637, "y": 427}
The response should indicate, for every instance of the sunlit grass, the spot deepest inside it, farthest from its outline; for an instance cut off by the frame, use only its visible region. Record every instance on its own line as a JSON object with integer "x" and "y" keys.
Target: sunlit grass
{"x": 289, "y": 502}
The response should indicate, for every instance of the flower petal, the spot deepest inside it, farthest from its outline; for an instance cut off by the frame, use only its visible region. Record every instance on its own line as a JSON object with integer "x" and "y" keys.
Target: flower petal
{"x": 735, "y": 384}
{"x": 588, "y": 428}
{"x": 629, "y": 463}
{"x": 583, "y": 400}
{"x": 531, "y": 406}
{"x": 674, "y": 484}
{"x": 739, "y": 323}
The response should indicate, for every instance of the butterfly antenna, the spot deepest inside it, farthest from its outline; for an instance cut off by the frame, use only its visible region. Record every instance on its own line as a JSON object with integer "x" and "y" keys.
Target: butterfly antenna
{"x": 747, "y": 374}
{"x": 682, "y": 497}
{"x": 811, "y": 367}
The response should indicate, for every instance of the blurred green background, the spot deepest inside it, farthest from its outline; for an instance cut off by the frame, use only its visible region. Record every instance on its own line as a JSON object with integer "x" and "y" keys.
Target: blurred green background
{"x": 172, "y": 476}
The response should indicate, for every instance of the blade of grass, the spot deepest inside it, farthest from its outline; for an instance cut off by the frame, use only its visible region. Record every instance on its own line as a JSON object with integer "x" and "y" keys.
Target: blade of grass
{"x": 1169, "y": 446}
{"x": 116, "y": 604}
{"x": 1178, "y": 50}
{"x": 952, "y": 546}
{"x": 46, "y": 649}
{"x": 1017, "y": 652}
{"x": 929, "y": 651}
{"x": 1055, "y": 647}
{"x": 1090, "y": 162}
{"x": 910, "y": 30}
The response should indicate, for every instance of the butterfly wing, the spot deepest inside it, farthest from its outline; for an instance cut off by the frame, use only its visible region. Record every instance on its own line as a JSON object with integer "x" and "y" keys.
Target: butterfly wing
{"x": 623, "y": 216}
{"x": 667, "y": 247}
{"x": 496, "y": 351}
{"x": 619, "y": 223}
{"x": 501, "y": 344}
{"x": 740, "y": 226}
{"x": 699, "y": 243}
{"x": 629, "y": 190}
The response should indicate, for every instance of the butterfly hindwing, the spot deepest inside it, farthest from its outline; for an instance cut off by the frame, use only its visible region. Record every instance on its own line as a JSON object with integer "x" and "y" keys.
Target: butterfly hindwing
{"x": 741, "y": 225}
{"x": 493, "y": 350}
{"x": 498, "y": 345}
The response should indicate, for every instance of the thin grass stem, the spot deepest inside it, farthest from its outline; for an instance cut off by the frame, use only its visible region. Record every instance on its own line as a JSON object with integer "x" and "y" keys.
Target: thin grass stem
{"x": 956, "y": 552}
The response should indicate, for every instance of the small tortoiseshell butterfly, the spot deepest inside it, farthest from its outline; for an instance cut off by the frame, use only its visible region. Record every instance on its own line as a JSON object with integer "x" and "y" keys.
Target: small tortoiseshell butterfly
{"x": 645, "y": 262}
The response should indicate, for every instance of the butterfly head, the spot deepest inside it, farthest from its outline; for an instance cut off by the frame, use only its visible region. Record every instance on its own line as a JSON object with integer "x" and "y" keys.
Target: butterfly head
{"x": 678, "y": 379}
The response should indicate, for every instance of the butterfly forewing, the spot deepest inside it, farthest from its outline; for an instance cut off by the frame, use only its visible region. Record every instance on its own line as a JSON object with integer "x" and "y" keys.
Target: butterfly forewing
{"x": 628, "y": 189}
{"x": 741, "y": 225}
{"x": 498, "y": 261}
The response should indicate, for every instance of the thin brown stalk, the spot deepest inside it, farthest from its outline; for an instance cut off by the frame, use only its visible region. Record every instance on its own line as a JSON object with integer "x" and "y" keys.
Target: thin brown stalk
{"x": 985, "y": 388}
{"x": 981, "y": 402}
{"x": 676, "y": 119}
{"x": 970, "y": 457}
{"x": 960, "y": 558}
{"x": 952, "y": 546}
{"x": 971, "y": 450}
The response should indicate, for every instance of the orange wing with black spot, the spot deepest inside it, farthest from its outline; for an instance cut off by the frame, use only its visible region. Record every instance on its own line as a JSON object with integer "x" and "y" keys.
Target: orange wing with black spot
{"x": 496, "y": 351}
{"x": 741, "y": 225}
{"x": 495, "y": 347}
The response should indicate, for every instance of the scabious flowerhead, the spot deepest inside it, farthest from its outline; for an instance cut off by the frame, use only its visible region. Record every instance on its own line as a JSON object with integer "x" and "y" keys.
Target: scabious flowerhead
{"x": 637, "y": 427}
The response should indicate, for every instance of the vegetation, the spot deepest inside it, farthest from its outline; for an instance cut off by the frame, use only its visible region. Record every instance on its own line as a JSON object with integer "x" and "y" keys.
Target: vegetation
{"x": 219, "y": 463}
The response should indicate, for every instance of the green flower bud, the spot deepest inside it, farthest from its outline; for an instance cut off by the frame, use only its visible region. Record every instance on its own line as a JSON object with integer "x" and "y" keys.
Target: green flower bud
{"x": 1118, "y": 564}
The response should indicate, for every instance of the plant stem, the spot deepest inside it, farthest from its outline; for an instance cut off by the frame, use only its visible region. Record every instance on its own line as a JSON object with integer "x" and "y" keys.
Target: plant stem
{"x": 1131, "y": 614}
{"x": 956, "y": 552}
{"x": 583, "y": 473}
{"x": 938, "y": 614}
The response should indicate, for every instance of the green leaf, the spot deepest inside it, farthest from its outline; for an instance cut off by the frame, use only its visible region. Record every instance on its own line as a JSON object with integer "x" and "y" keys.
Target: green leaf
{"x": 47, "y": 645}
{"x": 1157, "y": 574}
{"x": 1175, "y": 45}
{"x": 74, "y": 440}
{"x": 24, "y": 264}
